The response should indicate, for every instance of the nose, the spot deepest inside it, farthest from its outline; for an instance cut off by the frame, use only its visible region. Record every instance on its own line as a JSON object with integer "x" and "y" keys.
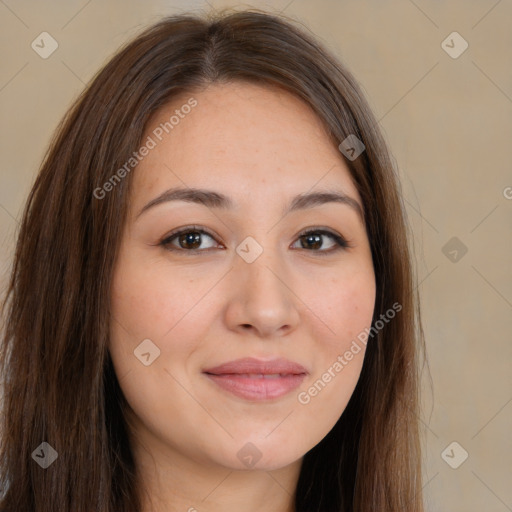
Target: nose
{"x": 262, "y": 299}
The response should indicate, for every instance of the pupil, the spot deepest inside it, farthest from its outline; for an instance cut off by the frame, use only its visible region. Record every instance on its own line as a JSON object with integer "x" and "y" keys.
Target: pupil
{"x": 191, "y": 238}
{"x": 315, "y": 239}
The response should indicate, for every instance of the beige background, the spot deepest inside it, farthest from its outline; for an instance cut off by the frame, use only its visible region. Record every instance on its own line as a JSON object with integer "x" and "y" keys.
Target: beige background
{"x": 449, "y": 124}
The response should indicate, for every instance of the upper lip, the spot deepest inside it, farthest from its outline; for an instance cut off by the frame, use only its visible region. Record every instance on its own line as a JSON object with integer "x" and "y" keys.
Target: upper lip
{"x": 250, "y": 365}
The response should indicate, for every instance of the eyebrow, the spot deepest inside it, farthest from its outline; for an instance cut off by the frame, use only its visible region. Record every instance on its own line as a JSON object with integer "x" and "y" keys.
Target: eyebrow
{"x": 212, "y": 199}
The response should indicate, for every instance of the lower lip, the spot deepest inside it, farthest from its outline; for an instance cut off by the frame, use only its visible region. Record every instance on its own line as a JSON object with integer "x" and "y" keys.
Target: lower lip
{"x": 257, "y": 388}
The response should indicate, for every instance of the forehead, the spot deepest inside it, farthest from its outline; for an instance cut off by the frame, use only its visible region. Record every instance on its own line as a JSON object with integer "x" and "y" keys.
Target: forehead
{"x": 244, "y": 139}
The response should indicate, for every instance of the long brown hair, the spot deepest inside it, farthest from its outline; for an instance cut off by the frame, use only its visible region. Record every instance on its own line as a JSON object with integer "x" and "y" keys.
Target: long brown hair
{"x": 58, "y": 379}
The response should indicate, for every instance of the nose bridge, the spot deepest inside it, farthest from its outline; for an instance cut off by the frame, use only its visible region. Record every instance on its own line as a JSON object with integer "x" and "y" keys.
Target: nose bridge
{"x": 259, "y": 264}
{"x": 262, "y": 297}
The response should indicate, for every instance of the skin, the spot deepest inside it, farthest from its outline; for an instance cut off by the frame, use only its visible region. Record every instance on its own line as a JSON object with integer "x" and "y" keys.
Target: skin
{"x": 260, "y": 146}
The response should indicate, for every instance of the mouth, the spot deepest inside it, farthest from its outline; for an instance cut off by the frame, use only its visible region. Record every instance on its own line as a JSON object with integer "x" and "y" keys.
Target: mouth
{"x": 257, "y": 380}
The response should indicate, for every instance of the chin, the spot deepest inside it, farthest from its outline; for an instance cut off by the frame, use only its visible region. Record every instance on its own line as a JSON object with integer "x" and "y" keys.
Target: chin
{"x": 257, "y": 455}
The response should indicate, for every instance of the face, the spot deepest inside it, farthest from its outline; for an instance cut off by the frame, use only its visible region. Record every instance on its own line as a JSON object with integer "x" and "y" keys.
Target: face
{"x": 286, "y": 286}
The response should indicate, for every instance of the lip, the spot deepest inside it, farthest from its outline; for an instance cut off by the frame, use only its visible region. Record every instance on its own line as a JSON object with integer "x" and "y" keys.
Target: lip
{"x": 252, "y": 365}
{"x": 258, "y": 380}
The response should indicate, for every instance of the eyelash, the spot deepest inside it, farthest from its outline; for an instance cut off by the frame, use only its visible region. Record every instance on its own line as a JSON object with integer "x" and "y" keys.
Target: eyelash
{"x": 341, "y": 242}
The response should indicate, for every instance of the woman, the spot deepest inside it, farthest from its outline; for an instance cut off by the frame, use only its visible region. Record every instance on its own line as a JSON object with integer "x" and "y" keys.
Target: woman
{"x": 274, "y": 368}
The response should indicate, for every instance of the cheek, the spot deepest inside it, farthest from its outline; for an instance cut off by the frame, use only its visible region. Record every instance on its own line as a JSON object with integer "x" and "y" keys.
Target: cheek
{"x": 345, "y": 311}
{"x": 344, "y": 305}
{"x": 149, "y": 301}
{"x": 349, "y": 311}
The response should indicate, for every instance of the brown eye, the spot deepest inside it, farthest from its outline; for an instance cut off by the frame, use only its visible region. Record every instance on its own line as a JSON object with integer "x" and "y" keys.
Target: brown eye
{"x": 188, "y": 239}
{"x": 313, "y": 240}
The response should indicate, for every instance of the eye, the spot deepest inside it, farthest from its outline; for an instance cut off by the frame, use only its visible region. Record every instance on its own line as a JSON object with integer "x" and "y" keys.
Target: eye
{"x": 313, "y": 239}
{"x": 188, "y": 239}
